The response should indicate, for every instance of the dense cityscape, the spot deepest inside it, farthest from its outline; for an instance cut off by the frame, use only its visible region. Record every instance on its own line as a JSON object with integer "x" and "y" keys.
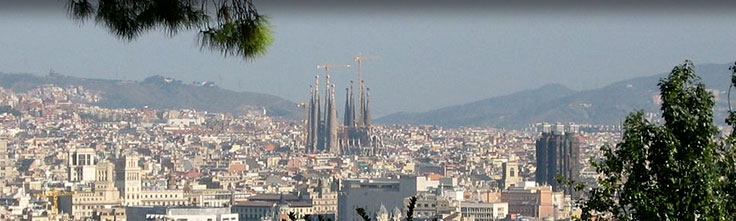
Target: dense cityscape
{"x": 190, "y": 110}
{"x": 65, "y": 158}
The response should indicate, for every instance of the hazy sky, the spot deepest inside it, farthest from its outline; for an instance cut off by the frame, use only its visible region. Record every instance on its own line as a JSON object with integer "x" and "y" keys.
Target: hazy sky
{"x": 429, "y": 58}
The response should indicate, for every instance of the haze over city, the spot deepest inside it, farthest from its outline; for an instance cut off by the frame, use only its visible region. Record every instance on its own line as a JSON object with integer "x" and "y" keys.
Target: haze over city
{"x": 339, "y": 110}
{"x": 429, "y": 57}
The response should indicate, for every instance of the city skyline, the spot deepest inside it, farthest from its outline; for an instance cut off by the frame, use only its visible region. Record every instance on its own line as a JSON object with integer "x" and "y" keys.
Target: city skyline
{"x": 491, "y": 52}
{"x": 461, "y": 110}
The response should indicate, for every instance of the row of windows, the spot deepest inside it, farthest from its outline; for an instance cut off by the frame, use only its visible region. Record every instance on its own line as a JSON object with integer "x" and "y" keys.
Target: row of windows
{"x": 249, "y": 209}
{"x": 112, "y": 214}
{"x": 426, "y": 205}
{"x": 466, "y": 209}
{"x": 251, "y": 216}
{"x": 164, "y": 203}
{"x": 88, "y": 198}
{"x": 159, "y": 196}
{"x": 331, "y": 208}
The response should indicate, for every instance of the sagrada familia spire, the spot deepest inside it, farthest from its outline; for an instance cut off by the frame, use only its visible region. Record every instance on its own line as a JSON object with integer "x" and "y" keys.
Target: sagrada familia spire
{"x": 363, "y": 119}
{"x": 324, "y": 132}
{"x": 322, "y": 125}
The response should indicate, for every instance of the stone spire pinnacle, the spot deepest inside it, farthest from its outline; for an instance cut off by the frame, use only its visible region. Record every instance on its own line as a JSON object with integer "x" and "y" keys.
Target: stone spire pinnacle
{"x": 346, "y": 115}
{"x": 331, "y": 126}
{"x": 349, "y": 107}
{"x": 313, "y": 121}
{"x": 367, "y": 112}
{"x": 361, "y": 103}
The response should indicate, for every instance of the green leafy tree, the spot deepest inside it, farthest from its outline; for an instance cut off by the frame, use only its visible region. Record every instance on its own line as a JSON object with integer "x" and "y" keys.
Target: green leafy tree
{"x": 362, "y": 214}
{"x": 322, "y": 218}
{"x": 680, "y": 170}
{"x": 292, "y": 217}
{"x": 231, "y": 27}
{"x": 410, "y": 208}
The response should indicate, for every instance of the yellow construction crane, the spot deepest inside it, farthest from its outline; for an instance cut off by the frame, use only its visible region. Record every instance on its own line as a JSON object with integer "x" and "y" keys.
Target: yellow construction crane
{"x": 327, "y": 67}
{"x": 361, "y": 86}
{"x": 359, "y": 59}
{"x": 303, "y": 105}
{"x": 54, "y": 195}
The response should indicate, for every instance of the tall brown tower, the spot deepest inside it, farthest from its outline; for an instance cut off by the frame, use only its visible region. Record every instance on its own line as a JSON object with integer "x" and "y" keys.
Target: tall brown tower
{"x": 558, "y": 153}
{"x": 331, "y": 122}
{"x": 314, "y": 118}
{"x": 322, "y": 125}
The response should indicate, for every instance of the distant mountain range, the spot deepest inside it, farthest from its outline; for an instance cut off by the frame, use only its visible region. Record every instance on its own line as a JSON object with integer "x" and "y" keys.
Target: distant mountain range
{"x": 549, "y": 103}
{"x": 159, "y": 92}
{"x": 557, "y": 103}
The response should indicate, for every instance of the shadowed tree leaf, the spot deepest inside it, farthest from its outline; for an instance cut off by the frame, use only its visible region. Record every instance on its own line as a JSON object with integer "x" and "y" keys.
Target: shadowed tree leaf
{"x": 247, "y": 39}
{"x": 410, "y": 208}
{"x": 361, "y": 212}
{"x": 292, "y": 216}
{"x": 231, "y": 27}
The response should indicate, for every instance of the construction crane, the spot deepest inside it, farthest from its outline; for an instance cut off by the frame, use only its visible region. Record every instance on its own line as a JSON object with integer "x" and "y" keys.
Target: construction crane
{"x": 303, "y": 105}
{"x": 359, "y": 59}
{"x": 361, "y": 87}
{"x": 54, "y": 195}
{"x": 327, "y": 67}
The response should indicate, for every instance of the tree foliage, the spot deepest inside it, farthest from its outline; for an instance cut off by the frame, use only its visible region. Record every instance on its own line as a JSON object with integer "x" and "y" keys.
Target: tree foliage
{"x": 410, "y": 208}
{"x": 292, "y": 216}
{"x": 680, "y": 170}
{"x": 361, "y": 212}
{"x": 322, "y": 218}
{"x": 232, "y": 27}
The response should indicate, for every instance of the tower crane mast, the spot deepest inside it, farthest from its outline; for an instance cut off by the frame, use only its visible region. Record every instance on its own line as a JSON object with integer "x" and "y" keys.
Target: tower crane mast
{"x": 361, "y": 86}
{"x": 328, "y": 67}
{"x": 54, "y": 195}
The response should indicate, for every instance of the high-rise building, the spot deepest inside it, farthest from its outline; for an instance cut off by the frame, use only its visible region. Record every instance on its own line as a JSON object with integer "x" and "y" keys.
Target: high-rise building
{"x": 82, "y": 165}
{"x": 105, "y": 182}
{"x": 558, "y": 153}
{"x": 5, "y": 165}
{"x": 129, "y": 180}
{"x": 7, "y": 169}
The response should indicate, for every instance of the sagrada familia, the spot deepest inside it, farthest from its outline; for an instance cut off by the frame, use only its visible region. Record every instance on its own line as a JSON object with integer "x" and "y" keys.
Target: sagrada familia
{"x": 324, "y": 131}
